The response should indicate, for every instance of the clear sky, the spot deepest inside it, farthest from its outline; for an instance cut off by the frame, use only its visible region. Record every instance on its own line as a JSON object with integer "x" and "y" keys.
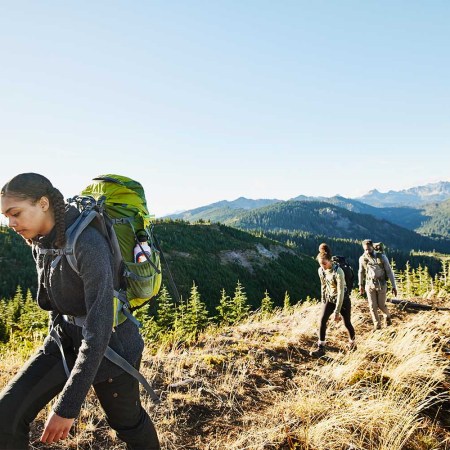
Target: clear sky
{"x": 203, "y": 101}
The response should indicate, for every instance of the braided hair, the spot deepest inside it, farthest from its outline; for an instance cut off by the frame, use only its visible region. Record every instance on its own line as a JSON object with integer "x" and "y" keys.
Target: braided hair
{"x": 32, "y": 186}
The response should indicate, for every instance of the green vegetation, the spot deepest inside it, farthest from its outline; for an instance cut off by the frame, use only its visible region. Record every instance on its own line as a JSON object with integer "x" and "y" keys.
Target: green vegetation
{"x": 308, "y": 243}
{"x": 438, "y": 223}
{"x": 164, "y": 321}
{"x": 16, "y": 264}
{"x": 329, "y": 220}
{"x": 217, "y": 256}
{"x": 223, "y": 273}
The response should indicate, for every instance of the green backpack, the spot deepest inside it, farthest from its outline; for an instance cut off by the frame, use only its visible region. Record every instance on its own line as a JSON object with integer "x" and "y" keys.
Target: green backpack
{"x": 116, "y": 205}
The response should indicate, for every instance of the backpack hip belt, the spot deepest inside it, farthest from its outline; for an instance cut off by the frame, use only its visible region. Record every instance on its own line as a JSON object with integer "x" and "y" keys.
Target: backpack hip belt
{"x": 110, "y": 354}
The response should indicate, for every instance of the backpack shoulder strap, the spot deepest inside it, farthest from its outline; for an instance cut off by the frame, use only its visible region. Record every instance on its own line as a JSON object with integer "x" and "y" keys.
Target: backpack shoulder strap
{"x": 74, "y": 232}
{"x": 72, "y": 235}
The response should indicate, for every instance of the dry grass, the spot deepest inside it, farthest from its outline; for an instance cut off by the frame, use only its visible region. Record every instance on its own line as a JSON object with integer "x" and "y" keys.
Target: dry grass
{"x": 255, "y": 387}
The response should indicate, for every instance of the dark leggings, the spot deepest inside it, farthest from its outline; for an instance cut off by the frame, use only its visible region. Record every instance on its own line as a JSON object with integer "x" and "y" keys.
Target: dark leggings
{"x": 43, "y": 377}
{"x": 328, "y": 309}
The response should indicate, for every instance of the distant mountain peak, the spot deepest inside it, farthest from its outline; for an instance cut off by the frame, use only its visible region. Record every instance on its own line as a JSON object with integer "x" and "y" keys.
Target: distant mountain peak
{"x": 415, "y": 196}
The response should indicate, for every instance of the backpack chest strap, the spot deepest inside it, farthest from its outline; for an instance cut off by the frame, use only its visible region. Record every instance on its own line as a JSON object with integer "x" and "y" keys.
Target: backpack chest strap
{"x": 55, "y": 251}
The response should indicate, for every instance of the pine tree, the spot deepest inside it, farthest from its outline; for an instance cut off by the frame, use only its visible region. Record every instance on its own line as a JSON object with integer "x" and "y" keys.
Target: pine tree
{"x": 166, "y": 310}
{"x": 192, "y": 316}
{"x": 14, "y": 310}
{"x": 225, "y": 309}
{"x": 32, "y": 319}
{"x": 266, "y": 304}
{"x": 149, "y": 328}
{"x": 408, "y": 280}
{"x": 240, "y": 307}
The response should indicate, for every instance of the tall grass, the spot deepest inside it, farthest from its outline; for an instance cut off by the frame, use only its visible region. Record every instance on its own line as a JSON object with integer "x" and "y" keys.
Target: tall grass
{"x": 254, "y": 386}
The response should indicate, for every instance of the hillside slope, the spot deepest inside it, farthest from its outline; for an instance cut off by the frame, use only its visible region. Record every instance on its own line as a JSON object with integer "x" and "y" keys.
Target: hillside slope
{"x": 223, "y": 210}
{"x": 329, "y": 220}
{"x": 438, "y": 222}
{"x": 217, "y": 256}
{"x": 255, "y": 387}
{"x": 212, "y": 256}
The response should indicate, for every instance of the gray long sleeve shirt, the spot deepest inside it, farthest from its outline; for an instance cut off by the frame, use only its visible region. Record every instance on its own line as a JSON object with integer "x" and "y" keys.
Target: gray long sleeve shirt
{"x": 62, "y": 291}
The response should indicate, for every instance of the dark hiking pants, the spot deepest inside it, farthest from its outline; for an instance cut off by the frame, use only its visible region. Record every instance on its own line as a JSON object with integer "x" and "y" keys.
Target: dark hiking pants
{"x": 43, "y": 377}
{"x": 328, "y": 309}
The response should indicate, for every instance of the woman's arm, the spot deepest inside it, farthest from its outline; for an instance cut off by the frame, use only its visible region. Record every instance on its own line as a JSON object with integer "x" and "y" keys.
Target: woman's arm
{"x": 95, "y": 267}
{"x": 322, "y": 286}
{"x": 340, "y": 287}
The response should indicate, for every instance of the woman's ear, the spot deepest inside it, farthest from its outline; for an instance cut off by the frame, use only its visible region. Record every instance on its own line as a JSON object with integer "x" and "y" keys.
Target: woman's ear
{"x": 44, "y": 203}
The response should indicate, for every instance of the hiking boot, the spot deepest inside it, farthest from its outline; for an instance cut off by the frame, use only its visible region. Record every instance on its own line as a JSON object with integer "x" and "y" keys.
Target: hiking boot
{"x": 319, "y": 352}
{"x": 351, "y": 346}
{"x": 388, "y": 321}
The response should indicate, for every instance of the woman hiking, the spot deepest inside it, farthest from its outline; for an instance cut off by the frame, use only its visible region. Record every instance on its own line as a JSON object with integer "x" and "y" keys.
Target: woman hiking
{"x": 36, "y": 210}
{"x": 335, "y": 299}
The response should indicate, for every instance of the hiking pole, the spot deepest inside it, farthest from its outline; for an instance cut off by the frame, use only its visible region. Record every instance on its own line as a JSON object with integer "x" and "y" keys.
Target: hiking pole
{"x": 171, "y": 280}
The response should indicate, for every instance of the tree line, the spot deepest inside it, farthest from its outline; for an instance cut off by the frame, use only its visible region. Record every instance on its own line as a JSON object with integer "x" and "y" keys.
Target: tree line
{"x": 165, "y": 320}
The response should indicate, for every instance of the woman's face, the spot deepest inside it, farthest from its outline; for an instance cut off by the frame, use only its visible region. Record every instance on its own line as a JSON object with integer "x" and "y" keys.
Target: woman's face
{"x": 325, "y": 264}
{"x": 27, "y": 218}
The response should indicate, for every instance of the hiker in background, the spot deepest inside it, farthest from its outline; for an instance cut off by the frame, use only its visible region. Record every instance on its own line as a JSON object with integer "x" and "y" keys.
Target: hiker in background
{"x": 374, "y": 271}
{"x": 36, "y": 210}
{"x": 335, "y": 299}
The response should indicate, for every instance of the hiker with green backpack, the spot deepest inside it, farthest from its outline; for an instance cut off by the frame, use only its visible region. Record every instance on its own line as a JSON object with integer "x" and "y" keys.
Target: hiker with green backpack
{"x": 89, "y": 283}
{"x": 373, "y": 274}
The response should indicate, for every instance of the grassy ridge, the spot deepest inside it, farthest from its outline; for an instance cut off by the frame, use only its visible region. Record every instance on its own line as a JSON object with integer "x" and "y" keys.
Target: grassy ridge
{"x": 254, "y": 386}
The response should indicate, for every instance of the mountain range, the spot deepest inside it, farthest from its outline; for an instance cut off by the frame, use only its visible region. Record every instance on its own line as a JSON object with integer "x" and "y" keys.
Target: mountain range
{"x": 415, "y": 196}
{"x": 428, "y": 219}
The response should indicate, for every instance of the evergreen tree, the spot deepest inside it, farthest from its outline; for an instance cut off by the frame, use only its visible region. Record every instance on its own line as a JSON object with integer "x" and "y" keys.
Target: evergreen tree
{"x": 408, "y": 289}
{"x": 14, "y": 310}
{"x": 240, "y": 307}
{"x": 225, "y": 309}
{"x": 33, "y": 319}
{"x": 149, "y": 328}
{"x": 266, "y": 304}
{"x": 166, "y": 310}
{"x": 192, "y": 316}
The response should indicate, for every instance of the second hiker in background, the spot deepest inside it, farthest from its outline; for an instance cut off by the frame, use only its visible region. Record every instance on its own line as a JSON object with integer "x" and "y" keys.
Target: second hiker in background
{"x": 335, "y": 299}
{"x": 374, "y": 271}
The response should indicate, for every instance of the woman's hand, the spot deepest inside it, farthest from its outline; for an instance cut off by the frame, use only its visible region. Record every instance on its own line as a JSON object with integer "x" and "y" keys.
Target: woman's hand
{"x": 56, "y": 428}
{"x": 337, "y": 317}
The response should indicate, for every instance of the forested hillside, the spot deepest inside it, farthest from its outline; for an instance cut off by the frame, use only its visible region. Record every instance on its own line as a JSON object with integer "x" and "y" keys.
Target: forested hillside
{"x": 16, "y": 264}
{"x": 308, "y": 243}
{"x": 427, "y": 219}
{"x": 223, "y": 210}
{"x": 214, "y": 257}
{"x": 439, "y": 219}
{"x": 329, "y": 220}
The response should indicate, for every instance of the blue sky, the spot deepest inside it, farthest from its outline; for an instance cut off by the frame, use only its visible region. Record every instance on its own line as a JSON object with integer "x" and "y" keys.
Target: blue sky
{"x": 204, "y": 101}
